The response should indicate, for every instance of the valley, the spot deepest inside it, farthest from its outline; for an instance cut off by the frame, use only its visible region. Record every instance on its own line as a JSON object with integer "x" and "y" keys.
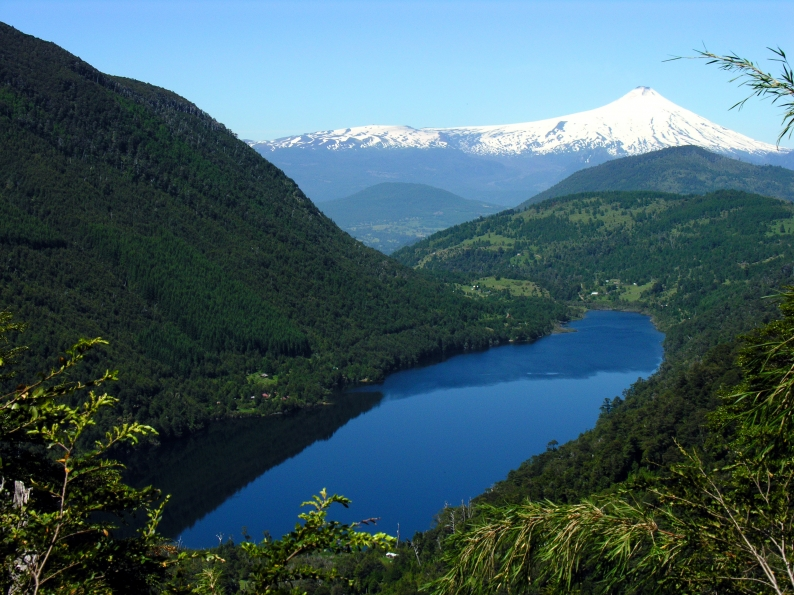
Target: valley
{"x": 290, "y": 323}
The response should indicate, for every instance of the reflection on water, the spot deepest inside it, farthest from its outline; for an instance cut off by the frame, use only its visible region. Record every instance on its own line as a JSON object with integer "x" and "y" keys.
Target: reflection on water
{"x": 203, "y": 470}
{"x": 604, "y": 342}
{"x": 432, "y": 435}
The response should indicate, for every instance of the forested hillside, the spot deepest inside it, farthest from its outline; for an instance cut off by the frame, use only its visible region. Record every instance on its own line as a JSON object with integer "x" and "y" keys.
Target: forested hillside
{"x": 679, "y": 170}
{"x": 391, "y": 215}
{"x": 128, "y": 213}
{"x": 700, "y": 264}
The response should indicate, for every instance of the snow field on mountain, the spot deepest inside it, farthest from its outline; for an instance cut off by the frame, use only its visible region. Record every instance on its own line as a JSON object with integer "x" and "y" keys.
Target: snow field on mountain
{"x": 639, "y": 122}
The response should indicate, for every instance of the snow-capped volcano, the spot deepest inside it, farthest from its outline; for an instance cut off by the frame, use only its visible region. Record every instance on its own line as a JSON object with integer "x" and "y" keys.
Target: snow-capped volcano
{"x": 503, "y": 164}
{"x": 639, "y": 122}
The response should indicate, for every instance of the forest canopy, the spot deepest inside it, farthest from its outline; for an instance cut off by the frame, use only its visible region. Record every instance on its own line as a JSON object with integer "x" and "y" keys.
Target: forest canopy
{"x": 128, "y": 213}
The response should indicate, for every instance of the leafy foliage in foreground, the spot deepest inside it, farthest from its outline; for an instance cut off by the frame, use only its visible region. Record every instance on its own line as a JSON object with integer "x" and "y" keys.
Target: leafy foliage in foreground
{"x": 291, "y": 564}
{"x": 56, "y": 494}
{"x": 126, "y": 212}
{"x": 61, "y": 499}
{"x": 271, "y": 559}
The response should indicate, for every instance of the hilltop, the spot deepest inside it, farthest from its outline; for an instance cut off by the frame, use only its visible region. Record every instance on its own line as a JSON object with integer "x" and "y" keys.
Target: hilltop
{"x": 678, "y": 170}
{"x": 391, "y": 215}
{"x": 127, "y": 212}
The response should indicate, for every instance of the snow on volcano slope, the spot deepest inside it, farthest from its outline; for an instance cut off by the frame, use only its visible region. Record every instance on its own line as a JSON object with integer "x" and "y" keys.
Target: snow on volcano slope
{"x": 639, "y": 122}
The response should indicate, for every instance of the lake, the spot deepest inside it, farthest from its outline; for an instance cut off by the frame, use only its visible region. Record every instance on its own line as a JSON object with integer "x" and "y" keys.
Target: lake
{"x": 401, "y": 450}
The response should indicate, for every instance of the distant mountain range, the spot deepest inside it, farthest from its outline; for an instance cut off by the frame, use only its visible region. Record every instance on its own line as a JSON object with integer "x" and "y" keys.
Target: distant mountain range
{"x": 679, "y": 170}
{"x": 503, "y": 164}
{"x": 391, "y": 215}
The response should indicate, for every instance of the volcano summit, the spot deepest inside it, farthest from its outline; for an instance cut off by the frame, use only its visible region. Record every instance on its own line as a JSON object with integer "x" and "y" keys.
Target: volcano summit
{"x": 506, "y": 163}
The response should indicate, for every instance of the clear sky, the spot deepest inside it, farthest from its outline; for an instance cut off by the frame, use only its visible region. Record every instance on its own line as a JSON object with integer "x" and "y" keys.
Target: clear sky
{"x": 272, "y": 69}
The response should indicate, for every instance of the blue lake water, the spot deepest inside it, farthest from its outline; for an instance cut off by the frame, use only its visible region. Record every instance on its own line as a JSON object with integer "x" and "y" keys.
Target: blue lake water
{"x": 428, "y": 436}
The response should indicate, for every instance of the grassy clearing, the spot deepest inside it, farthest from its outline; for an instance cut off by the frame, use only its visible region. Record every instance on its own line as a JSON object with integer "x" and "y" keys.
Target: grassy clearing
{"x": 490, "y": 241}
{"x": 611, "y": 289}
{"x": 632, "y": 293}
{"x": 594, "y": 209}
{"x": 780, "y": 227}
{"x": 516, "y": 287}
{"x": 259, "y": 385}
{"x": 258, "y": 381}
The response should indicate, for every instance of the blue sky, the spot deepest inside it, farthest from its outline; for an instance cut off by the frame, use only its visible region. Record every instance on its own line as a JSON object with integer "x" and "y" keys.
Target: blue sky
{"x": 271, "y": 69}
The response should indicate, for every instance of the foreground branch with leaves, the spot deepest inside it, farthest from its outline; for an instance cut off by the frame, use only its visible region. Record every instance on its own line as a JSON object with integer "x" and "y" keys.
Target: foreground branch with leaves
{"x": 58, "y": 495}
{"x": 279, "y": 562}
{"x": 61, "y": 498}
{"x": 780, "y": 89}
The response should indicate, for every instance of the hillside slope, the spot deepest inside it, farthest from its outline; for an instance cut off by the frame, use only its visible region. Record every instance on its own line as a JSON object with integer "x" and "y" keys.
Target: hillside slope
{"x": 699, "y": 264}
{"x": 391, "y": 215}
{"x": 127, "y": 212}
{"x": 678, "y": 170}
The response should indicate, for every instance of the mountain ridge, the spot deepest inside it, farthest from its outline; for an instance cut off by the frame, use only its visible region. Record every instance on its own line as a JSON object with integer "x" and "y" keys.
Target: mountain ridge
{"x": 504, "y": 164}
{"x": 677, "y": 170}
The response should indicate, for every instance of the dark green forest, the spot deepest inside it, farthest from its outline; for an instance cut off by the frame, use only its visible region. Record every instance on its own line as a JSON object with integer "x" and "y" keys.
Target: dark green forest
{"x": 678, "y": 170}
{"x": 128, "y": 213}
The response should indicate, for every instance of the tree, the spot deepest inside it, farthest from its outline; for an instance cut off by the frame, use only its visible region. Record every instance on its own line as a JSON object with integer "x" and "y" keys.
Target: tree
{"x": 305, "y": 557}
{"x": 61, "y": 498}
{"x": 58, "y": 496}
{"x": 279, "y": 562}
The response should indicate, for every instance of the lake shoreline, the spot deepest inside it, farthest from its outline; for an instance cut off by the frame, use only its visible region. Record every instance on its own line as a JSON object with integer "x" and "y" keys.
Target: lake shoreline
{"x": 401, "y": 448}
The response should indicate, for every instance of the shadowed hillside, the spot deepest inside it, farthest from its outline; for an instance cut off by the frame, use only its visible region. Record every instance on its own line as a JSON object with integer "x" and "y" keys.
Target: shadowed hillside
{"x": 128, "y": 213}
